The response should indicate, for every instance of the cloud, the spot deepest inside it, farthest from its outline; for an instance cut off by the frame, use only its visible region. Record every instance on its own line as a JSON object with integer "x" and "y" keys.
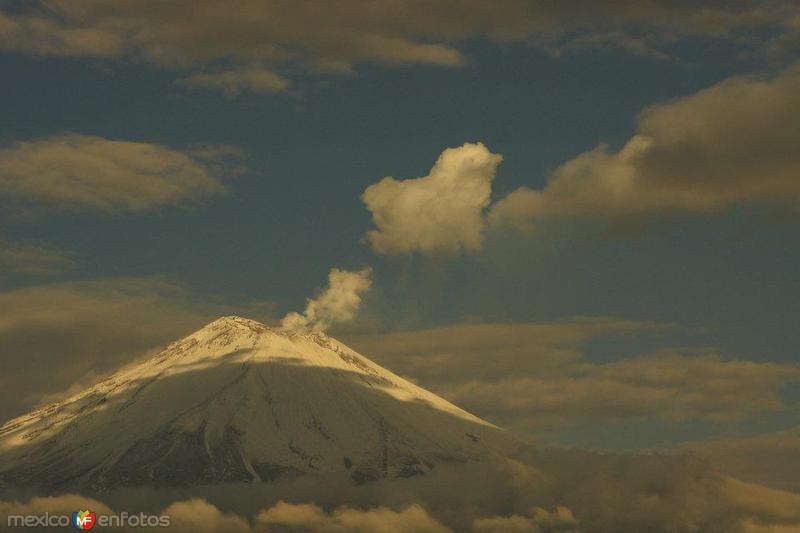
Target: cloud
{"x": 339, "y": 302}
{"x": 316, "y": 34}
{"x": 233, "y": 82}
{"x": 669, "y": 387}
{"x": 308, "y": 517}
{"x": 564, "y": 490}
{"x": 39, "y": 34}
{"x": 33, "y": 259}
{"x": 632, "y": 493}
{"x": 766, "y": 506}
{"x": 457, "y": 352}
{"x": 750, "y": 526}
{"x": 187, "y": 516}
{"x": 62, "y": 505}
{"x": 320, "y": 35}
{"x": 200, "y": 516}
{"x": 772, "y": 459}
{"x": 733, "y": 144}
{"x": 66, "y": 503}
{"x": 72, "y": 171}
{"x": 530, "y": 377}
{"x": 440, "y": 212}
{"x": 541, "y": 491}
{"x": 539, "y": 521}
{"x": 78, "y": 331}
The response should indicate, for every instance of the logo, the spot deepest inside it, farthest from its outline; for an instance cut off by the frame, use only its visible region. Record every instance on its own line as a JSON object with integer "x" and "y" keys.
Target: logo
{"x": 83, "y": 520}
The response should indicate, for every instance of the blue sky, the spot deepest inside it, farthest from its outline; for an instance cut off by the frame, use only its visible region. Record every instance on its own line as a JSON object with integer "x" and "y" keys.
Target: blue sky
{"x": 721, "y": 280}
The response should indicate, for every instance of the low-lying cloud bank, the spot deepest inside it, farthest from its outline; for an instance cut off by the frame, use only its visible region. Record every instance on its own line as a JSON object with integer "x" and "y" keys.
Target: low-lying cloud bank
{"x": 540, "y": 491}
{"x": 198, "y": 515}
{"x": 537, "y": 520}
{"x": 771, "y": 459}
{"x": 535, "y": 376}
{"x": 308, "y": 517}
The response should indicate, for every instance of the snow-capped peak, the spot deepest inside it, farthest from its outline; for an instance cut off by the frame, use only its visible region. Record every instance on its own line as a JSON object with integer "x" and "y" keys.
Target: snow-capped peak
{"x": 238, "y": 400}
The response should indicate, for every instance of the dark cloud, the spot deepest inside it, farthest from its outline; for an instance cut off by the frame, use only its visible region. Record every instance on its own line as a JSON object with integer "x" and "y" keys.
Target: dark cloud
{"x": 334, "y": 37}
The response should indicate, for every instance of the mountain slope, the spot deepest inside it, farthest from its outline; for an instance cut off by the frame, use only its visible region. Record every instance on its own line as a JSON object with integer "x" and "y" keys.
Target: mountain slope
{"x": 238, "y": 401}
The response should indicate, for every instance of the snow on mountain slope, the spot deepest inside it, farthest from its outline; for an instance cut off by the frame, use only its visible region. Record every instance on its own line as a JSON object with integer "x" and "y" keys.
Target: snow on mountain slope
{"x": 238, "y": 401}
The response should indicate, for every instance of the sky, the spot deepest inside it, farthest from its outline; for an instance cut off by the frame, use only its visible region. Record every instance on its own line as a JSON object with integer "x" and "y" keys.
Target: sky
{"x": 578, "y": 222}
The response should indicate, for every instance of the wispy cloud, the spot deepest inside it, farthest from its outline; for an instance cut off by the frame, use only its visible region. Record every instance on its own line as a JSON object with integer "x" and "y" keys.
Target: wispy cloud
{"x": 536, "y": 377}
{"x": 336, "y": 37}
{"x": 73, "y": 172}
{"x": 236, "y": 81}
{"x": 33, "y": 259}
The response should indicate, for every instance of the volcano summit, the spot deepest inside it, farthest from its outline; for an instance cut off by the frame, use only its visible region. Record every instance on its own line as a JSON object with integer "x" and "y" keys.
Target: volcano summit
{"x": 238, "y": 401}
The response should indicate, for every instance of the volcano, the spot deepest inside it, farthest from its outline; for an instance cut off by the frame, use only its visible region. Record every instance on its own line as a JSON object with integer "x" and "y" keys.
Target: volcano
{"x": 238, "y": 401}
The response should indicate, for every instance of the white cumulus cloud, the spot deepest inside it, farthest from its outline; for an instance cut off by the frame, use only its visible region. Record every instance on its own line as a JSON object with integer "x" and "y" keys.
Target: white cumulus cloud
{"x": 440, "y": 212}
